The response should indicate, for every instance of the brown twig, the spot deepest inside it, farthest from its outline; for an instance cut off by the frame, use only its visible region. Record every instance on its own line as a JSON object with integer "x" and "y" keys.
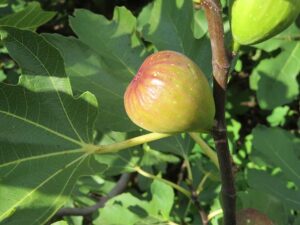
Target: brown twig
{"x": 194, "y": 193}
{"x": 203, "y": 215}
{"x": 87, "y": 211}
{"x": 182, "y": 173}
{"x": 221, "y": 66}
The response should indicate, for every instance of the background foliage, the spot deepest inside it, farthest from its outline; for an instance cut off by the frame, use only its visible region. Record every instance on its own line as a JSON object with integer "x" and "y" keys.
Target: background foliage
{"x": 64, "y": 67}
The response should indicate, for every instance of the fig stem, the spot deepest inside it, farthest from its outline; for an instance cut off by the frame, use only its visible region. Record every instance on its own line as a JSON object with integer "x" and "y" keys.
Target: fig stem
{"x": 205, "y": 148}
{"x": 128, "y": 143}
{"x": 175, "y": 186}
{"x": 235, "y": 48}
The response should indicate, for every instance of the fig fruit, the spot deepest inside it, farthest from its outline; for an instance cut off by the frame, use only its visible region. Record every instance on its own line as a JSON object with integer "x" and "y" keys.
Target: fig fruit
{"x": 170, "y": 94}
{"x": 254, "y": 21}
{"x": 252, "y": 217}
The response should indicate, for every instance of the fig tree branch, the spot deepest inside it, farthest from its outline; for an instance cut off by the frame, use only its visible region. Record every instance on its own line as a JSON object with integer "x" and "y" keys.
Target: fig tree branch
{"x": 87, "y": 211}
{"x": 220, "y": 64}
{"x": 194, "y": 197}
{"x": 201, "y": 211}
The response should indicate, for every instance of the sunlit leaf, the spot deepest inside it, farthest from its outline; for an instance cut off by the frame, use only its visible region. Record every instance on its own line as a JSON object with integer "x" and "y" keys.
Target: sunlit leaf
{"x": 131, "y": 210}
{"x": 278, "y": 116}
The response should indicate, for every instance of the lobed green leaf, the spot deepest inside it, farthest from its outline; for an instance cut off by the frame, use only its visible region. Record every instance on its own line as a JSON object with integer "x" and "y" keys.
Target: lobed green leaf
{"x": 43, "y": 149}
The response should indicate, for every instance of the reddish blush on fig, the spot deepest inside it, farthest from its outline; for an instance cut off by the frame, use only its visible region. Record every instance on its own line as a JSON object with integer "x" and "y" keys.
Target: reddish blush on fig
{"x": 170, "y": 94}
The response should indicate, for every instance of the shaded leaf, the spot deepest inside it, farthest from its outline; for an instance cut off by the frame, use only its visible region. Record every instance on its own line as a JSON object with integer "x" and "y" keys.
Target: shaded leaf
{"x": 297, "y": 221}
{"x": 180, "y": 145}
{"x": 275, "y": 78}
{"x": 265, "y": 203}
{"x": 170, "y": 27}
{"x": 87, "y": 72}
{"x": 275, "y": 186}
{"x": 120, "y": 162}
{"x": 152, "y": 157}
{"x": 40, "y": 62}
{"x": 277, "y": 148}
{"x": 110, "y": 39}
{"x": 30, "y": 18}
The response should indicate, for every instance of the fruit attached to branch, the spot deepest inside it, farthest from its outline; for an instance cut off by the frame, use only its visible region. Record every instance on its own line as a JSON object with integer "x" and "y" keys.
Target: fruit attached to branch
{"x": 170, "y": 94}
{"x": 254, "y": 21}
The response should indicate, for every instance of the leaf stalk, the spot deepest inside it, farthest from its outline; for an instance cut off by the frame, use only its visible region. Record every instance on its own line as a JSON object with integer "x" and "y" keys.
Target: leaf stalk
{"x": 125, "y": 144}
{"x": 175, "y": 186}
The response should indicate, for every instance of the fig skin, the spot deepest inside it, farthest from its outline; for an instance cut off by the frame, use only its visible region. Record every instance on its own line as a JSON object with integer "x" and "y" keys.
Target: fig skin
{"x": 254, "y": 21}
{"x": 170, "y": 94}
{"x": 251, "y": 216}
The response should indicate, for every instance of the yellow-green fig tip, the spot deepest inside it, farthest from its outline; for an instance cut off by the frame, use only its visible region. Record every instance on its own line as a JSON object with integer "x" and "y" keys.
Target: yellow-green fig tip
{"x": 254, "y": 21}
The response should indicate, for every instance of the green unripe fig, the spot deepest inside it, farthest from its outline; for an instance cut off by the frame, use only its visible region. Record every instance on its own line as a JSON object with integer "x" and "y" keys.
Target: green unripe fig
{"x": 252, "y": 217}
{"x": 254, "y": 21}
{"x": 170, "y": 94}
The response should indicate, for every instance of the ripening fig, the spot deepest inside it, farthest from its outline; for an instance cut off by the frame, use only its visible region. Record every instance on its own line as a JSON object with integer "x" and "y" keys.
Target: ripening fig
{"x": 252, "y": 217}
{"x": 254, "y": 21}
{"x": 170, "y": 94}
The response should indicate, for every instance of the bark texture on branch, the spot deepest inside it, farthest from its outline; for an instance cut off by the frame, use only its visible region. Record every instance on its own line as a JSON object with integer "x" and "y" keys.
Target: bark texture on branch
{"x": 220, "y": 63}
